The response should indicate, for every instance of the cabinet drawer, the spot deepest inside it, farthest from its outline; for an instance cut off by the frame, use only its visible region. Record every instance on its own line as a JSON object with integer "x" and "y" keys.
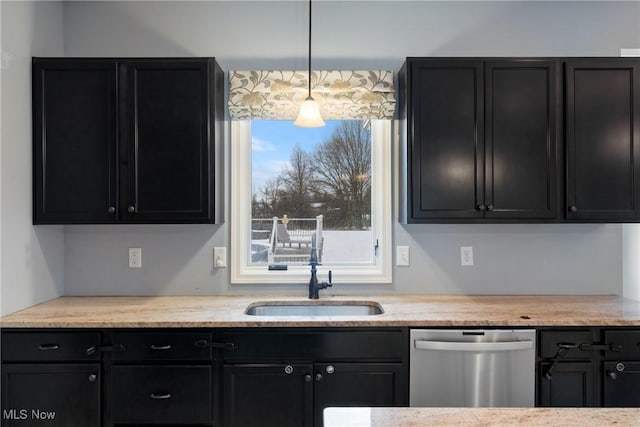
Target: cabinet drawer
{"x": 174, "y": 395}
{"x": 161, "y": 346}
{"x": 49, "y": 346}
{"x": 330, "y": 345}
{"x": 550, "y": 341}
{"x": 629, "y": 342}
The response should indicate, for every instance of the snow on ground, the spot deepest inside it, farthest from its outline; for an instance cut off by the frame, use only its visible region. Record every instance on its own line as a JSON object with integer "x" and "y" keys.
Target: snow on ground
{"x": 340, "y": 246}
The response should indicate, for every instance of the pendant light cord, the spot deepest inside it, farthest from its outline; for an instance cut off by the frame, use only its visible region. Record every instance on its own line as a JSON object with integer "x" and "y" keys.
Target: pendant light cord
{"x": 309, "y": 66}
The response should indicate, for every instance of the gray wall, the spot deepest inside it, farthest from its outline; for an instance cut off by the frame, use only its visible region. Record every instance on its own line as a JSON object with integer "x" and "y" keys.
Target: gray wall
{"x": 511, "y": 259}
{"x": 32, "y": 258}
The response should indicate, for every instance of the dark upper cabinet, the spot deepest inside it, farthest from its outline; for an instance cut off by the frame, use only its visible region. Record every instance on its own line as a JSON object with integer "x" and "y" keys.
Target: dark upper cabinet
{"x": 481, "y": 139}
{"x": 603, "y": 139}
{"x": 521, "y": 109}
{"x": 126, "y": 140}
{"x": 75, "y": 141}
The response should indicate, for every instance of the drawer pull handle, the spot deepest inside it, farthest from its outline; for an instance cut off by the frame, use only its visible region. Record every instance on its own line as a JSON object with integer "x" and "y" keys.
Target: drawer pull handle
{"x": 160, "y": 347}
{"x": 46, "y": 347}
{"x": 160, "y": 396}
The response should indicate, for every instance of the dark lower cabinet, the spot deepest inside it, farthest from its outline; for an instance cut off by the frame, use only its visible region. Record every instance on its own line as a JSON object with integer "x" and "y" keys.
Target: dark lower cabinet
{"x": 570, "y": 384}
{"x": 161, "y": 395}
{"x": 589, "y": 367}
{"x": 357, "y": 384}
{"x": 56, "y": 395}
{"x": 287, "y": 376}
{"x": 621, "y": 384}
{"x": 268, "y": 395}
{"x": 295, "y": 395}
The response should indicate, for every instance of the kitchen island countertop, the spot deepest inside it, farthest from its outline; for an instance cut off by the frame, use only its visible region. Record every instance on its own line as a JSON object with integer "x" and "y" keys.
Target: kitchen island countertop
{"x": 480, "y": 417}
{"x": 399, "y": 310}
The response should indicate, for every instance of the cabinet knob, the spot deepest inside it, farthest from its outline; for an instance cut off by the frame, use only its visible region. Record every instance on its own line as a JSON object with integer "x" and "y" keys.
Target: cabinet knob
{"x": 318, "y": 377}
{"x": 112, "y": 209}
{"x": 288, "y": 369}
{"x": 330, "y": 369}
{"x": 489, "y": 207}
{"x": 92, "y": 378}
{"x": 612, "y": 375}
{"x": 573, "y": 208}
{"x": 307, "y": 378}
{"x": 131, "y": 209}
{"x": 482, "y": 208}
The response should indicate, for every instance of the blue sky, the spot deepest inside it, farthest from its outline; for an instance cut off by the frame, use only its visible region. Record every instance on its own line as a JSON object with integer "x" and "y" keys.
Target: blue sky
{"x": 272, "y": 142}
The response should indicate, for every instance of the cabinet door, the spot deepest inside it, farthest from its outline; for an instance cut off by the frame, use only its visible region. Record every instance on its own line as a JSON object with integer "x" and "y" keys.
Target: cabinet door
{"x": 56, "y": 395}
{"x": 167, "y": 132}
{"x": 622, "y": 384}
{"x": 603, "y": 139}
{"x": 74, "y": 141}
{"x": 268, "y": 395}
{"x": 571, "y": 384}
{"x": 520, "y": 139}
{"x": 445, "y": 132}
{"x": 358, "y": 384}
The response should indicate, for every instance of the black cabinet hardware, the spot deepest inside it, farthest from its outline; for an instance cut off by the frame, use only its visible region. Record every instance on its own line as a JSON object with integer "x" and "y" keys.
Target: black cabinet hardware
{"x": 46, "y": 347}
{"x": 160, "y": 396}
{"x": 160, "y": 347}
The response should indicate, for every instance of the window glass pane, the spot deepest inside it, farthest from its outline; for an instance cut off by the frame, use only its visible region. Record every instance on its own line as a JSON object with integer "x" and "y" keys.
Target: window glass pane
{"x": 311, "y": 185}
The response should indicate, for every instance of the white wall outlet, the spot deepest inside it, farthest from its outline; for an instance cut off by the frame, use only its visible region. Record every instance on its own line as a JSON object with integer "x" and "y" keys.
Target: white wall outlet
{"x": 219, "y": 257}
{"x": 466, "y": 255}
{"x": 402, "y": 256}
{"x": 135, "y": 257}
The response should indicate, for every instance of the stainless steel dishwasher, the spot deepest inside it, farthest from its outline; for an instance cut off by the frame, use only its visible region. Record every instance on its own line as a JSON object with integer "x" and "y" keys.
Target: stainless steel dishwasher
{"x": 472, "y": 368}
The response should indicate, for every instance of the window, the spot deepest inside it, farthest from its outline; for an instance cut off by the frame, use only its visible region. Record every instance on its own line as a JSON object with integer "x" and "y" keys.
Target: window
{"x": 293, "y": 189}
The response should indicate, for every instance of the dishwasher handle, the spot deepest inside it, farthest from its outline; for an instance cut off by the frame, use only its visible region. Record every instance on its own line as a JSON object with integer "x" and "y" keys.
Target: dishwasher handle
{"x": 473, "y": 346}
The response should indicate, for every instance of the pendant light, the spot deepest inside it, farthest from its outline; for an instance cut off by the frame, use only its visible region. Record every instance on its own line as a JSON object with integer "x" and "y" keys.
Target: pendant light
{"x": 309, "y": 115}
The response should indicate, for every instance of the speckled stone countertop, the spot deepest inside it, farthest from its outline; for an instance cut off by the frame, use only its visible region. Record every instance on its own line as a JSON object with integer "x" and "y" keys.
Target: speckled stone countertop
{"x": 480, "y": 417}
{"x": 399, "y": 310}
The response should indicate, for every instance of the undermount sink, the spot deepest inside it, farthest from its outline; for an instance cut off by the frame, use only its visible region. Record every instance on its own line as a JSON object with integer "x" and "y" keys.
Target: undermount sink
{"x": 314, "y": 308}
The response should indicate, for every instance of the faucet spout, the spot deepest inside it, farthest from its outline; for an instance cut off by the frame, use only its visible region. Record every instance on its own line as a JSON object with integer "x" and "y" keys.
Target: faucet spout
{"x": 314, "y": 285}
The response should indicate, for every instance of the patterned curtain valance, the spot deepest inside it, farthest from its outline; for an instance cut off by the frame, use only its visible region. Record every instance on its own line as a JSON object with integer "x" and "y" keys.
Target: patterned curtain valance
{"x": 277, "y": 95}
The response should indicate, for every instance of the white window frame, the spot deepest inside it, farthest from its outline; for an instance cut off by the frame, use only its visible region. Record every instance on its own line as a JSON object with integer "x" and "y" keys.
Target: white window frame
{"x": 242, "y": 272}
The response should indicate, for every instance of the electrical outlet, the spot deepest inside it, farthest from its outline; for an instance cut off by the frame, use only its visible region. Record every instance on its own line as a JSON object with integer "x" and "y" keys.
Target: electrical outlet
{"x": 135, "y": 257}
{"x": 402, "y": 256}
{"x": 466, "y": 255}
{"x": 219, "y": 257}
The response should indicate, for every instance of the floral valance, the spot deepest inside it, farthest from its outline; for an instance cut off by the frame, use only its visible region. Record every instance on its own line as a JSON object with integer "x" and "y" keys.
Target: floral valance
{"x": 277, "y": 95}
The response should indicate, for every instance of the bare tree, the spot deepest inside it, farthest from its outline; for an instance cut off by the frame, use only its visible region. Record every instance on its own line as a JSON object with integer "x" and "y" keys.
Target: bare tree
{"x": 343, "y": 166}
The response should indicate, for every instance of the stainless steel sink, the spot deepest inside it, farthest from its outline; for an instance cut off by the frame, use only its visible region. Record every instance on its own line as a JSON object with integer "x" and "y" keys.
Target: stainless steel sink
{"x": 313, "y": 308}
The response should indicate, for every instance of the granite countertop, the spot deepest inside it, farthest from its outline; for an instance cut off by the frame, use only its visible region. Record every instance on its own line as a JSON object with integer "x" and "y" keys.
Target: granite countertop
{"x": 399, "y": 310}
{"x": 479, "y": 417}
